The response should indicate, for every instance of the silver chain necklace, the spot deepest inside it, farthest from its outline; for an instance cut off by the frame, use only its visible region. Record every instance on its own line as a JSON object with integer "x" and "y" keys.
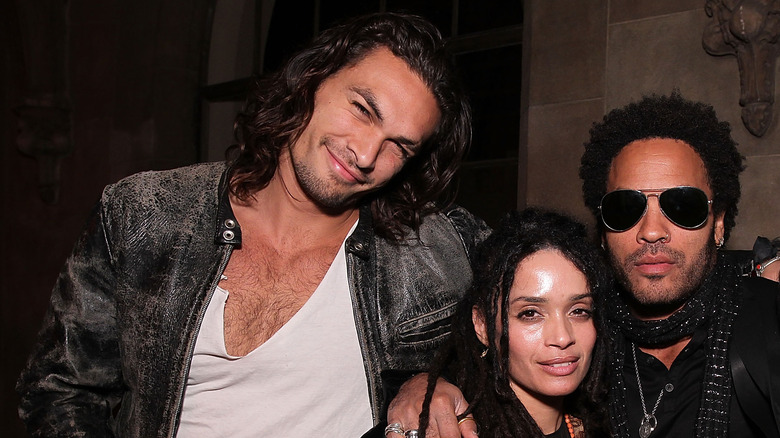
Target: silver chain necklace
{"x": 649, "y": 422}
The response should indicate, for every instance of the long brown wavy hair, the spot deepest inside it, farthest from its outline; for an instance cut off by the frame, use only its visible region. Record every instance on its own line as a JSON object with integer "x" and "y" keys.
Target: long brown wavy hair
{"x": 281, "y": 105}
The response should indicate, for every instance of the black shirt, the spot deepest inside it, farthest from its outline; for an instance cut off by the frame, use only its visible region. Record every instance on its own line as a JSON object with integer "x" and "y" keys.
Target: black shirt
{"x": 682, "y": 384}
{"x": 562, "y": 432}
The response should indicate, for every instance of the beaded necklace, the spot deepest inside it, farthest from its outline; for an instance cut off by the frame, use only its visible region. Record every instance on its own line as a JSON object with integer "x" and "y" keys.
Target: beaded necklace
{"x": 569, "y": 426}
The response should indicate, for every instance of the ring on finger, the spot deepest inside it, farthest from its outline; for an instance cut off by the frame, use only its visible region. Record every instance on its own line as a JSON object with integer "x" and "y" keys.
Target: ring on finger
{"x": 465, "y": 419}
{"x": 394, "y": 428}
{"x": 412, "y": 433}
{"x": 469, "y": 418}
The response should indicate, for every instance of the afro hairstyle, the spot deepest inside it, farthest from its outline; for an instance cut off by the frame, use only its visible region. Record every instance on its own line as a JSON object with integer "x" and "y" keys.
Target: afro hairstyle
{"x": 670, "y": 117}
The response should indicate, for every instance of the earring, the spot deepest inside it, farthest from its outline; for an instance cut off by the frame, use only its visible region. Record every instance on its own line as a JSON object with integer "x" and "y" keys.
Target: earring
{"x": 719, "y": 243}
{"x": 484, "y": 353}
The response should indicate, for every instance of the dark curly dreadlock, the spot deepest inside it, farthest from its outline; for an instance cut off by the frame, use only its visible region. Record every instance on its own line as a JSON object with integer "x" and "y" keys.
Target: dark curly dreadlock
{"x": 485, "y": 381}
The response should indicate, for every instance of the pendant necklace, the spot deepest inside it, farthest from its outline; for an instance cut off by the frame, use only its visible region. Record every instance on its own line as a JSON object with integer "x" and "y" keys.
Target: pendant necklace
{"x": 649, "y": 422}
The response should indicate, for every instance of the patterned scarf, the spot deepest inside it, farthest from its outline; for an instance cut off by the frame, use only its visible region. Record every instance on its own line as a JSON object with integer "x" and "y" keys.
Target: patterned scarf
{"x": 714, "y": 304}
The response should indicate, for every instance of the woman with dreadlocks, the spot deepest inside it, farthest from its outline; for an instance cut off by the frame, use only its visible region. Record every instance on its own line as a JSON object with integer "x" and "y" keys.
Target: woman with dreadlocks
{"x": 524, "y": 348}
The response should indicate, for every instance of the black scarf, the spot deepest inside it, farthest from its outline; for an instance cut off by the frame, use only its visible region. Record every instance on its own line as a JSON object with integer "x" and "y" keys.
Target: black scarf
{"x": 714, "y": 304}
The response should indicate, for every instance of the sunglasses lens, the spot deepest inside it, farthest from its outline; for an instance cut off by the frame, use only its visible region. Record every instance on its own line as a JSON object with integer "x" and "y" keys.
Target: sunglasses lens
{"x": 622, "y": 209}
{"x": 687, "y": 207}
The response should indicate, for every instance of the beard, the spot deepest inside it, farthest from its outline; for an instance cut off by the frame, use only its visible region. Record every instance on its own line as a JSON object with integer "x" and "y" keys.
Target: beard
{"x": 327, "y": 190}
{"x": 663, "y": 296}
{"x": 322, "y": 191}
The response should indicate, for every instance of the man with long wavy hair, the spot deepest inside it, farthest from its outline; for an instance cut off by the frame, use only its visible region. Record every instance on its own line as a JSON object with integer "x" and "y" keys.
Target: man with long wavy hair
{"x": 275, "y": 294}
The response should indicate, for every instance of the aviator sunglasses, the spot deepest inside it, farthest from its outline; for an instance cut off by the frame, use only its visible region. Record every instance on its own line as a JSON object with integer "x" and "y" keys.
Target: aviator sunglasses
{"x": 687, "y": 207}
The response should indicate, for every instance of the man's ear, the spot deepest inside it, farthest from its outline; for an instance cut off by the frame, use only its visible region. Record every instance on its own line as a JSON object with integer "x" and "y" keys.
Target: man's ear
{"x": 720, "y": 229}
{"x": 479, "y": 325}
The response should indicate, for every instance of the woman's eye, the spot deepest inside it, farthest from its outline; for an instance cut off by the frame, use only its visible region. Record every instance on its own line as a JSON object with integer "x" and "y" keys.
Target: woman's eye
{"x": 528, "y": 314}
{"x": 582, "y": 312}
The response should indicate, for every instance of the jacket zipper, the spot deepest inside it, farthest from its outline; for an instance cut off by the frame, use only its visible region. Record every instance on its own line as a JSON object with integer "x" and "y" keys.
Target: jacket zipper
{"x": 173, "y": 425}
{"x": 363, "y": 344}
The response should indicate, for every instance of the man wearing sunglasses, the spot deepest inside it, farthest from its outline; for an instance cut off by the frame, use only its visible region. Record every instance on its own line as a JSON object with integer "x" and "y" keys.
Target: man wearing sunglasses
{"x": 696, "y": 345}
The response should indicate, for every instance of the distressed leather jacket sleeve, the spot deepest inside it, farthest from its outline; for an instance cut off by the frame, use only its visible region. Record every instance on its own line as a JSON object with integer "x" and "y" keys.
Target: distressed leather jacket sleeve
{"x": 73, "y": 378}
{"x": 114, "y": 352}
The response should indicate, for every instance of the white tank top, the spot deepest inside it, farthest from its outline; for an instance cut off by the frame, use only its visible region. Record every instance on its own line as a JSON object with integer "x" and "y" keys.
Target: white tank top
{"x": 307, "y": 380}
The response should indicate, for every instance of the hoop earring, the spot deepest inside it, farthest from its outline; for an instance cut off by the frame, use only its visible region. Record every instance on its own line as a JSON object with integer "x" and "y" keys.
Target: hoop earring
{"x": 719, "y": 243}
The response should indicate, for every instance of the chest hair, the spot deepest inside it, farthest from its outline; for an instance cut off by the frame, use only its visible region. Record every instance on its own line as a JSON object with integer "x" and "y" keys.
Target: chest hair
{"x": 266, "y": 288}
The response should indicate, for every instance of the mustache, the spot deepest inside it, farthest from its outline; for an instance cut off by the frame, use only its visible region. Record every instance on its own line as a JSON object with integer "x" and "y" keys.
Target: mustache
{"x": 655, "y": 248}
{"x": 341, "y": 154}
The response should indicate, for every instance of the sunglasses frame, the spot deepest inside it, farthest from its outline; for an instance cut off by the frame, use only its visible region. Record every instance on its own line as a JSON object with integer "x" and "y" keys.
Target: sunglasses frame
{"x": 657, "y": 193}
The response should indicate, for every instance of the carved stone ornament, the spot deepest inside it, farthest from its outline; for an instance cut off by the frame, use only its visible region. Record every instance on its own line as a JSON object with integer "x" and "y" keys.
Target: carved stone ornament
{"x": 749, "y": 30}
{"x": 44, "y": 117}
{"x": 44, "y": 134}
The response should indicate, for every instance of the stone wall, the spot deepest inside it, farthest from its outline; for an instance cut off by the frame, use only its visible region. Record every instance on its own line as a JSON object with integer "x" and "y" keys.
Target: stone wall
{"x": 587, "y": 57}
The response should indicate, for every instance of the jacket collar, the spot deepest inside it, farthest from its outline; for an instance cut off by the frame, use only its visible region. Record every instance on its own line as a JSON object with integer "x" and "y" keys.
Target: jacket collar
{"x": 228, "y": 231}
{"x": 359, "y": 243}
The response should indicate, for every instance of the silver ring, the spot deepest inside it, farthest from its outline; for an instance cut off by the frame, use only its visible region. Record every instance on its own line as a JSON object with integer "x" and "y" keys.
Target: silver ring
{"x": 412, "y": 433}
{"x": 394, "y": 428}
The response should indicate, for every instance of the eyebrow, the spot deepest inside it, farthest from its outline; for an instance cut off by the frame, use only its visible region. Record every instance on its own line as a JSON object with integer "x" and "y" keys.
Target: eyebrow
{"x": 371, "y": 101}
{"x": 539, "y": 300}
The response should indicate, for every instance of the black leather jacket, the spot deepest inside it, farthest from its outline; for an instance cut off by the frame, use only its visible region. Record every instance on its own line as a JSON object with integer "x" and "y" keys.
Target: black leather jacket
{"x": 115, "y": 348}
